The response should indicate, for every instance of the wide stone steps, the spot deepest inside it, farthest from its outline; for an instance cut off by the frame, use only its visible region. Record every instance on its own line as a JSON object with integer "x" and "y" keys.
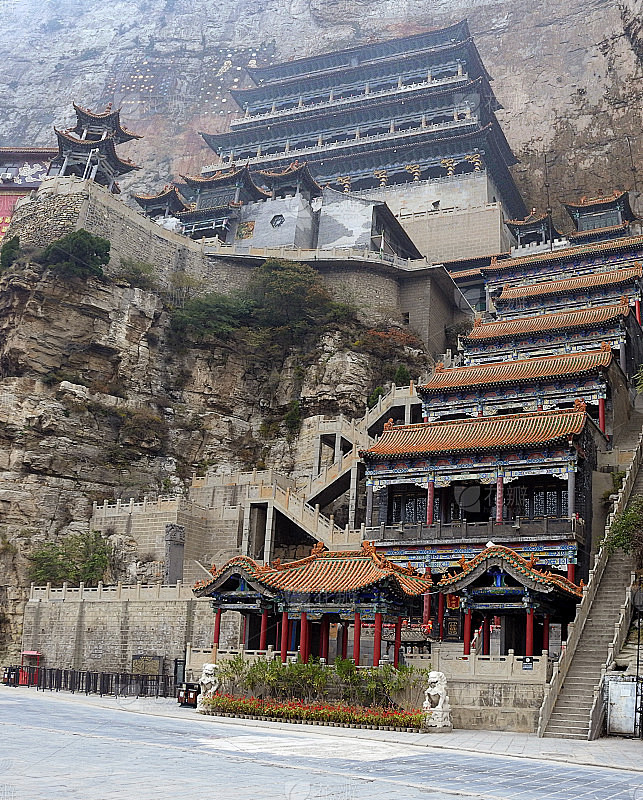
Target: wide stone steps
{"x": 570, "y": 718}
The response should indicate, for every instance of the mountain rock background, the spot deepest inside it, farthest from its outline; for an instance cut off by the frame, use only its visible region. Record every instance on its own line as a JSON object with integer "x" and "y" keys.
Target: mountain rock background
{"x": 569, "y": 75}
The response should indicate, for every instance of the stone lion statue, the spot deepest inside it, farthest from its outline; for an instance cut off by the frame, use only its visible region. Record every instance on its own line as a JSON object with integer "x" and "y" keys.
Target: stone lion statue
{"x": 436, "y": 706}
{"x": 208, "y": 682}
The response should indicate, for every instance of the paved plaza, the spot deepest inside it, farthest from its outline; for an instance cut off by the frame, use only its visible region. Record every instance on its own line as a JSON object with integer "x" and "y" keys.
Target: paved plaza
{"x": 77, "y": 747}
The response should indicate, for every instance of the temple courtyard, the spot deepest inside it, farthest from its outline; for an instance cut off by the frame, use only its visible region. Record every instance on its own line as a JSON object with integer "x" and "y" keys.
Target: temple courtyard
{"x": 71, "y": 746}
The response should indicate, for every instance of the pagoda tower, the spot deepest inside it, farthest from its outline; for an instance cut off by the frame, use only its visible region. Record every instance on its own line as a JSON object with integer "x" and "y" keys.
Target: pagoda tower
{"x": 88, "y": 150}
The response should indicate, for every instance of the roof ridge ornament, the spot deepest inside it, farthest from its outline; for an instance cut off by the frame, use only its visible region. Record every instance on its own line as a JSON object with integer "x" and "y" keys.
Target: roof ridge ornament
{"x": 605, "y": 347}
{"x": 580, "y": 404}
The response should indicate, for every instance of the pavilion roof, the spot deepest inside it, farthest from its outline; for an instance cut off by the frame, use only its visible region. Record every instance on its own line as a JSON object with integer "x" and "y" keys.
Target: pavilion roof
{"x": 466, "y": 273}
{"x": 576, "y": 318}
{"x": 514, "y": 564}
{"x": 602, "y": 202}
{"x": 323, "y": 571}
{"x": 518, "y": 371}
{"x": 168, "y": 193}
{"x": 106, "y": 147}
{"x": 611, "y": 246}
{"x": 565, "y": 285}
{"x": 237, "y": 176}
{"x": 297, "y": 171}
{"x": 111, "y": 117}
{"x": 531, "y": 220}
{"x": 478, "y": 435}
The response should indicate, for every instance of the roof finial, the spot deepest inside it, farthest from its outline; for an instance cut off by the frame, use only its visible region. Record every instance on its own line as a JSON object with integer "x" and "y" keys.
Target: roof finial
{"x": 605, "y": 347}
{"x": 580, "y": 404}
{"x": 388, "y": 426}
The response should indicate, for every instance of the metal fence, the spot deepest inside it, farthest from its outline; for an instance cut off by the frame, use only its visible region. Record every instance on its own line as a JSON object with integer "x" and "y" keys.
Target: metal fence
{"x": 86, "y": 682}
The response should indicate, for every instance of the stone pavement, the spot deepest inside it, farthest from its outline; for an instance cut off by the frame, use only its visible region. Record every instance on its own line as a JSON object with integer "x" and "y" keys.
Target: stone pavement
{"x": 72, "y": 746}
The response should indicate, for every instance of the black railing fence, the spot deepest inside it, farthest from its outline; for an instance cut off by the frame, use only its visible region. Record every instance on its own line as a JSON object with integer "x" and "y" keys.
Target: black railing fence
{"x": 86, "y": 682}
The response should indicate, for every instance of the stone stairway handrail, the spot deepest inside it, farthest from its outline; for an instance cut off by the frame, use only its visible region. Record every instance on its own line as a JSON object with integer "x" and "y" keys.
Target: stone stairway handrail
{"x": 621, "y": 630}
{"x": 575, "y": 628}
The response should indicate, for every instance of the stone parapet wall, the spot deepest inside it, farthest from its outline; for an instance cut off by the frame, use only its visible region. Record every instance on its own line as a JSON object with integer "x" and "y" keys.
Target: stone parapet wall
{"x": 103, "y": 634}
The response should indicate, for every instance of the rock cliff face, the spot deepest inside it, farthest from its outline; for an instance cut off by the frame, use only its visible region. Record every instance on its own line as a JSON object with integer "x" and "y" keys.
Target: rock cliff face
{"x": 568, "y": 74}
{"x": 96, "y": 402}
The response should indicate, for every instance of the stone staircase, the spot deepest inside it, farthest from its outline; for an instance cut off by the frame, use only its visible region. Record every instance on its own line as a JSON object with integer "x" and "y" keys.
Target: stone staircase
{"x": 572, "y": 705}
{"x": 570, "y": 718}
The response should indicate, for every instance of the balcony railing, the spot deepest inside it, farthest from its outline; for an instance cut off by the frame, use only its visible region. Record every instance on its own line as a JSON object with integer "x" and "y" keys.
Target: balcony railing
{"x": 355, "y": 98}
{"x": 508, "y": 531}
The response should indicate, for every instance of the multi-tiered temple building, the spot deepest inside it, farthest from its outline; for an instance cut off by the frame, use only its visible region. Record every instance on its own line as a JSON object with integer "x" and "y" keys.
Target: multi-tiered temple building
{"x": 407, "y": 122}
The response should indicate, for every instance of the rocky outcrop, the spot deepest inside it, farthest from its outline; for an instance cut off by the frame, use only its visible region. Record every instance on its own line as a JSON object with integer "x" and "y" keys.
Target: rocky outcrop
{"x": 568, "y": 75}
{"x": 97, "y": 401}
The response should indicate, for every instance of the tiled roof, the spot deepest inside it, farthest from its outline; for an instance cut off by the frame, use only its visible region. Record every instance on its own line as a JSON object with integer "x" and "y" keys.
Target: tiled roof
{"x": 529, "y": 220}
{"x": 497, "y": 553}
{"x": 512, "y": 372}
{"x": 577, "y": 318}
{"x": 612, "y": 245}
{"x": 483, "y": 433}
{"x": 325, "y": 571}
{"x": 588, "y": 202}
{"x": 565, "y": 285}
{"x": 623, "y": 226}
{"x": 106, "y": 146}
{"x": 466, "y": 273}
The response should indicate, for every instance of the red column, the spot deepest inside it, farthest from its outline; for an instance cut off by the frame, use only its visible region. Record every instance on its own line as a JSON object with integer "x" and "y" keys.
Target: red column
{"x": 486, "y": 636}
{"x": 263, "y": 638}
{"x": 601, "y": 413}
{"x": 637, "y": 309}
{"x": 323, "y": 635}
{"x": 284, "y": 636}
{"x": 571, "y": 572}
{"x": 430, "y": 494}
{"x": 377, "y": 640}
{"x": 425, "y": 419}
{"x": 357, "y": 634}
{"x": 217, "y": 628}
{"x": 441, "y": 615}
{"x": 426, "y": 608}
{"x": 499, "y": 498}
{"x": 344, "y": 640}
{"x": 398, "y": 641}
{"x": 303, "y": 637}
{"x": 529, "y": 637}
{"x": 467, "y": 632}
{"x": 278, "y": 635}
{"x": 546, "y": 632}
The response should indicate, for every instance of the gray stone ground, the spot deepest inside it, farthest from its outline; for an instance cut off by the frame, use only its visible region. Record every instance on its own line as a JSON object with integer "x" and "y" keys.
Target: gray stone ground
{"x": 75, "y": 747}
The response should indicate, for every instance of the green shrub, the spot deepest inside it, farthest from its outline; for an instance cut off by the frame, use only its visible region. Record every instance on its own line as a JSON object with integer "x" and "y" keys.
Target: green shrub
{"x": 210, "y": 315}
{"x": 374, "y": 396}
{"x": 402, "y": 376}
{"x": 292, "y": 420}
{"x": 9, "y": 252}
{"x": 144, "y": 428}
{"x": 138, "y": 274}
{"x": 79, "y": 254}
{"x": 78, "y": 557}
{"x": 626, "y": 532}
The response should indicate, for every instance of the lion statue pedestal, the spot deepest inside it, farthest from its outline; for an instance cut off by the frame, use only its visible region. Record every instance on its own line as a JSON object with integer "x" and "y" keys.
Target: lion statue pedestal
{"x": 208, "y": 682}
{"x": 436, "y": 706}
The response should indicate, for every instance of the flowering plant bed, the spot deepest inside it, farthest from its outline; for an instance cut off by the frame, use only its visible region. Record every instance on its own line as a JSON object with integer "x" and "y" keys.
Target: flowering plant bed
{"x": 336, "y": 714}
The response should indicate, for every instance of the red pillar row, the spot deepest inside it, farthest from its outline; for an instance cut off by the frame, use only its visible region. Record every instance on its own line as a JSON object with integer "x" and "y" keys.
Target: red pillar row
{"x": 529, "y": 639}
{"x": 426, "y": 608}
{"x": 285, "y": 627}
{"x": 430, "y": 496}
{"x": 344, "y": 640}
{"x": 263, "y": 638}
{"x": 601, "y": 413}
{"x": 217, "y": 628}
{"x": 571, "y": 572}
